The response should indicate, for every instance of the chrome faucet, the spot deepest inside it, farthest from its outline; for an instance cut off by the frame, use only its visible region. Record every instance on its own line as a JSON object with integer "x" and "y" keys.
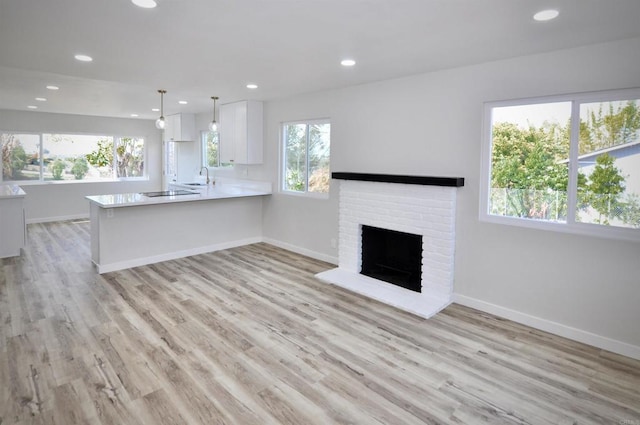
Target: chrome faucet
{"x": 207, "y": 169}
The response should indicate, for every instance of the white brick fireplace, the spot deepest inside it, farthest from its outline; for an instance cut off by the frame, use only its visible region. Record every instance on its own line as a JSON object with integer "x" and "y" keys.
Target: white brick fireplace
{"x": 420, "y": 209}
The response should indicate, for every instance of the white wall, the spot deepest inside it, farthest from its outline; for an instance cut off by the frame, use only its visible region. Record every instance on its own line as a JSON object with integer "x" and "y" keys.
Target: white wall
{"x": 60, "y": 200}
{"x": 307, "y": 225}
{"x": 430, "y": 124}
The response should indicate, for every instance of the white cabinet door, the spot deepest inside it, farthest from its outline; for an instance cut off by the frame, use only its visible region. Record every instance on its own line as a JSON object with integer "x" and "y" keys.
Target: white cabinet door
{"x": 255, "y": 131}
{"x": 227, "y": 133}
{"x": 12, "y": 227}
{"x": 241, "y": 132}
{"x": 241, "y": 136}
{"x": 179, "y": 128}
{"x": 169, "y": 127}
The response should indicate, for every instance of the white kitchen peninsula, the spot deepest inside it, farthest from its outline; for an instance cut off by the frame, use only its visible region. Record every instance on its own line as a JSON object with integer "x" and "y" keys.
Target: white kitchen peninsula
{"x": 132, "y": 229}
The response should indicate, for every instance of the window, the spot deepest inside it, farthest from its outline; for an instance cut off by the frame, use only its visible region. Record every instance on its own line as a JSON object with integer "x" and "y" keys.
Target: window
{"x": 20, "y": 156}
{"x": 70, "y": 157}
{"x": 211, "y": 150}
{"x": 570, "y": 163}
{"x": 171, "y": 161}
{"x": 306, "y": 154}
{"x": 129, "y": 157}
{"x": 75, "y": 157}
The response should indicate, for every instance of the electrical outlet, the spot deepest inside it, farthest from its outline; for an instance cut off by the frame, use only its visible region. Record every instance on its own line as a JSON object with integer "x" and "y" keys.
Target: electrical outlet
{"x": 110, "y": 213}
{"x": 334, "y": 243}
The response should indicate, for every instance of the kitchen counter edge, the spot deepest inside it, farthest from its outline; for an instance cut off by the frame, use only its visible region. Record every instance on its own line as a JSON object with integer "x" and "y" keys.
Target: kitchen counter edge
{"x": 8, "y": 191}
{"x": 208, "y": 194}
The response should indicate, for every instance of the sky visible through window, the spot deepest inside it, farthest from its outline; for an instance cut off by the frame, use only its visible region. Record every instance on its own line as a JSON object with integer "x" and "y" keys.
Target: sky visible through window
{"x": 67, "y": 145}
{"x": 30, "y": 142}
{"x": 61, "y": 145}
{"x": 533, "y": 114}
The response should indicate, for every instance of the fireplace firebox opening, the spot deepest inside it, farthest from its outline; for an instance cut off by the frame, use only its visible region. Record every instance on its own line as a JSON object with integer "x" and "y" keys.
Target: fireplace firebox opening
{"x": 392, "y": 256}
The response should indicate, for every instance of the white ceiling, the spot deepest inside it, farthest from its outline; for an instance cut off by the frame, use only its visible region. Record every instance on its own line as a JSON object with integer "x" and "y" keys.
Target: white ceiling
{"x": 199, "y": 48}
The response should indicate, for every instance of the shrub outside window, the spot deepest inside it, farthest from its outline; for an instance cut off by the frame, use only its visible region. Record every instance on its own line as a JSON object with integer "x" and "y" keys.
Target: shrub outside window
{"x": 306, "y": 150}
{"x": 569, "y": 163}
{"x": 70, "y": 157}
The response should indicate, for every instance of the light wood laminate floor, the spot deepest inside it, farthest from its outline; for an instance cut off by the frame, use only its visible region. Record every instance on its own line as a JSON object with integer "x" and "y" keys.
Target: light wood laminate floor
{"x": 249, "y": 336}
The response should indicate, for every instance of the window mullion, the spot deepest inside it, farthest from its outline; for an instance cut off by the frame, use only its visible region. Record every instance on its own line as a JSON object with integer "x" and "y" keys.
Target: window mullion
{"x": 41, "y": 155}
{"x": 306, "y": 168}
{"x": 218, "y": 157}
{"x": 114, "y": 168}
{"x": 283, "y": 157}
{"x": 572, "y": 189}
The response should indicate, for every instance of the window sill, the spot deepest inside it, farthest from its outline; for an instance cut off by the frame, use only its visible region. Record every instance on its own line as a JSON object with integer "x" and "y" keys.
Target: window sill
{"x": 307, "y": 195}
{"x": 583, "y": 229}
{"x": 64, "y": 182}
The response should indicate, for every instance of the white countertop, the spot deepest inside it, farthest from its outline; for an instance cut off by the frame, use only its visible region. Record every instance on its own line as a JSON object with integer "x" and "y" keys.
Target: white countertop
{"x": 11, "y": 191}
{"x": 222, "y": 190}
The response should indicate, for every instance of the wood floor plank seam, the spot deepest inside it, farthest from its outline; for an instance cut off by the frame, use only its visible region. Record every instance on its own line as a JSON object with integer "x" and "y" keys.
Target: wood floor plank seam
{"x": 248, "y": 335}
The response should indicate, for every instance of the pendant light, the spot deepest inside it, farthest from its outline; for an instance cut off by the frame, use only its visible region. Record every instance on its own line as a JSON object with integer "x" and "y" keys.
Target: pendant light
{"x": 160, "y": 123}
{"x": 213, "y": 125}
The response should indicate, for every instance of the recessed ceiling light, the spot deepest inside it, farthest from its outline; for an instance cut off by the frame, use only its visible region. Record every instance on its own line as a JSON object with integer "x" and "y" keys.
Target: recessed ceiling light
{"x": 53, "y": 87}
{"x": 32, "y": 107}
{"x": 83, "y": 58}
{"x": 546, "y": 15}
{"x": 147, "y": 4}
{"x": 347, "y": 62}
{"x": 182, "y": 102}
{"x": 134, "y": 115}
{"x": 155, "y": 110}
{"x": 41, "y": 99}
{"x": 252, "y": 86}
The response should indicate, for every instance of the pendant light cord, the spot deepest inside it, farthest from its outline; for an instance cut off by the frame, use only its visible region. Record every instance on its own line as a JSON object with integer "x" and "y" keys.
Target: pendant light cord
{"x": 162, "y": 92}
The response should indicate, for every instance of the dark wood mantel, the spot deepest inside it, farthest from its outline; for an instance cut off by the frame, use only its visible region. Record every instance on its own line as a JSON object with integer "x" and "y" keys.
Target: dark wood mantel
{"x": 395, "y": 178}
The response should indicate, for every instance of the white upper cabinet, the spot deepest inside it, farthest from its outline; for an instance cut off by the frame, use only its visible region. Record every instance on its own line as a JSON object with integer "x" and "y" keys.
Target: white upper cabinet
{"x": 180, "y": 128}
{"x": 241, "y": 132}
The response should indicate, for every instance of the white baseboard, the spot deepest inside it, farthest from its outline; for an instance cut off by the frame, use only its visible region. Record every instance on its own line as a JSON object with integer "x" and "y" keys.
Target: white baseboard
{"x": 58, "y": 218}
{"x": 143, "y": 261}
{"x": 555, "y": 328}
{"x": 302, "y": 251}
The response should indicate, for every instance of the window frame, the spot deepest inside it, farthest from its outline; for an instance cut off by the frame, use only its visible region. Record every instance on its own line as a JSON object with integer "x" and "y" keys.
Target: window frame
{"x": 116, "y": 138}
{"x": 203, "y": 152}
{"x": 571, "y": 226}
{"x": 283, "y": 162}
